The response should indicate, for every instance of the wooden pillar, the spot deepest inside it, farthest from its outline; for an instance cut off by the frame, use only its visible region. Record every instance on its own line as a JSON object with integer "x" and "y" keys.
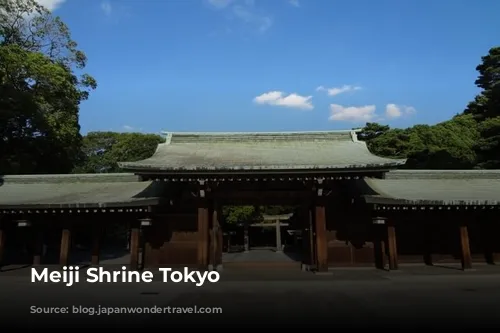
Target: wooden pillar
{"x": 203, "y": 233}
{"x": 151, "y": 252}
{"x": 306, "y": 215}
{"x": 38, "y": 244}
{"x": 311, "y": 242}
{"x": 212, "y": 238}
{"x": 220, "y": 240}
{"x": 392, "y": 247}
{"x": 465, "y": 247}
{"x": 321, "y": 241}
{"x": 246, "y": 239}
{"x": 215, "y": 255}
{"x": 96, "y": 238}
{"x": 379, "y": 245}
{"x": 135, "y": 245}
{"x": 65, "y": 243}
{"x": 279, "y": 248}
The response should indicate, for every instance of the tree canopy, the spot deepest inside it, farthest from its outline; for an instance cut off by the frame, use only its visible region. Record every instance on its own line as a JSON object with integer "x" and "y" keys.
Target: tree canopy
{"x": 41, "y": 88}
{"x": 103, "y": 150}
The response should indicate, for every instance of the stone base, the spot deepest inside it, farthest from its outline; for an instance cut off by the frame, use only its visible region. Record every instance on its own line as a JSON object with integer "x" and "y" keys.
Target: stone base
{"x": 210, "y": 267}
{"x": 219, "y": 268}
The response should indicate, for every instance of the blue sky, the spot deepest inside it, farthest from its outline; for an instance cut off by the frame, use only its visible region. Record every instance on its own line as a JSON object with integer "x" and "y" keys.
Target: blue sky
{"x": 278, "y": 65}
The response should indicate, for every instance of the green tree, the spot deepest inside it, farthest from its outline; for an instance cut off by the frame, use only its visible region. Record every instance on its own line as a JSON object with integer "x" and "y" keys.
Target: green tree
{"x": 486, "y": 110}
{"x": 239, "y": 214}
{"x": 41, "y": 88}
{"x": 103, "y": 150}
{"x": 488, "y": 147}
{"x": 372, "y": 130}
{"x": 447, "y": 145}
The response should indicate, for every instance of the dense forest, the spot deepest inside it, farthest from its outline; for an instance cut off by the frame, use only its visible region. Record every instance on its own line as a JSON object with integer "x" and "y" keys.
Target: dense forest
{"x": 42, "y": 84}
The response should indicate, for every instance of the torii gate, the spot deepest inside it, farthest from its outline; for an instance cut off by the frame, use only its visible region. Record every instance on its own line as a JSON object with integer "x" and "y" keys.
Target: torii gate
{"x": 278, "y": 223}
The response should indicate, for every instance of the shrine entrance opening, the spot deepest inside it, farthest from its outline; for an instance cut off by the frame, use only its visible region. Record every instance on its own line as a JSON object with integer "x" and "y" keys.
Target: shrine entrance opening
{"x": 264, "y": 235}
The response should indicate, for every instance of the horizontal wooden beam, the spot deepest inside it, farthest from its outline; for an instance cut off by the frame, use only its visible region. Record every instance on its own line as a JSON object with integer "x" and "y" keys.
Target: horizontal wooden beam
{"x": 73, "y": 211}
{"x": 262, "y": 174}
{"x": 436, "y": 208}
{"x": 270, "y": 225}
{"x": 260, "y": 196}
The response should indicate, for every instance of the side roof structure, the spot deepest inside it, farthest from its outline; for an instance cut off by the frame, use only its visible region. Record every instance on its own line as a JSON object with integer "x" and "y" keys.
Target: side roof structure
{"x": 46, "y": 192}
{"x": 251, "y": 152}
{"x": 434, "y": 188}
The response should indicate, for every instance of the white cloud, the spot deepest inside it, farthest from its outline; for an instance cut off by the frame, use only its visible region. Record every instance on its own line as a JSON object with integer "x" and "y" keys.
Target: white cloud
{"x": 396, "y": 111}
{"x": 50, "y": 4}
{"x": 340, "y": 90}
{"x": 280, "y": 99}
{"x": 245, "y": 12}
{"x": 355, "y": 114}
{"x": 294, "y": 3}
{"x": 249, "y": 16}
{"x": 220, "y": 3}
{"x": 106, "y": 7}
{"x": 128, "y": 128}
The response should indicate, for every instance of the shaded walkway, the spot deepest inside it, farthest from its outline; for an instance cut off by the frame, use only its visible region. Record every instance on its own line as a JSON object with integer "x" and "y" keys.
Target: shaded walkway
{"x": 260, "y": 256}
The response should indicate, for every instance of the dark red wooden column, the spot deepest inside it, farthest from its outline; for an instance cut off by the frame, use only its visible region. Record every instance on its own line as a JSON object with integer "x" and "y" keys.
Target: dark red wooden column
{"x": 96, "y": 239}
{"x": 306, "y": 221}
{"x": 152, "y": 248}
{"x": 220, "y": 240}
{"x": 215, "y": 241}
{"x": 392, "y": 246}
{"x": 65, "y": 243}
{"x": 203, "y": 234}
{"x": 135, "y": 244}
{"x": 203, "y": 227}
{"x": 321, "y": 241}
{"x": 38, "y": 243}
{"x": 465, "y": 247}
{"x": 320, "y": 228}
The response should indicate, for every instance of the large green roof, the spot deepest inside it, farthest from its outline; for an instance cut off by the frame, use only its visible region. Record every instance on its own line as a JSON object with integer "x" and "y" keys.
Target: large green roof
{"x": 434, "y": 187}
{"x": 261, "y": 151}
{"x": 443, "y": 174}
{"x": 77, "y": 191}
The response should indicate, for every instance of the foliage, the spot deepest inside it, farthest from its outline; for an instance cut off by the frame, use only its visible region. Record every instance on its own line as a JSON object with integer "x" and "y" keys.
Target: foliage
{"x": 486, "y": 110}
{"x": 240, "y": 214}
{"x": 488, "y": 147}
{"x": 468, "y": 140}
{"x": 40, "y": 92}
{"x": 372, "y": 130}
{"x": 103, "y": 150}
{"x": 447, "y": 145}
